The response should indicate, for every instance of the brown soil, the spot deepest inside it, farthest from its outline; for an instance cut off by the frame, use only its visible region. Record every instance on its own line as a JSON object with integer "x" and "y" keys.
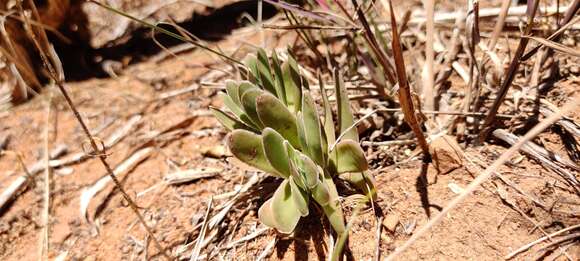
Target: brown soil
{"x": 490, "y": 224}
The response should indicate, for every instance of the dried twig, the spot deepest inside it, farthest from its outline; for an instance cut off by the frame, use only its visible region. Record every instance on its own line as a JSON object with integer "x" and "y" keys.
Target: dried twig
{"x": 190, "y": 175}
{"x": 512, "y": 70}
{"x": 484, "y": 176}
{"x": 127, "y": 165}
{"x": 267, "y": 250}
{"x": 44, "y": 238}
{"x": 555, "y": 46}
{"x": 549, "y": 159}
{"x": 505, "y": 6}
{"x": 20, "y": 182}
{"x": 405, "y": 98}
{"x": 566, "y": 22}
{"x": 428, "y": 70}
{"x": 201, "y": 235}
{"x": 56, "y": 75}
{"x": 419, "y": 18}
{"x": 540, "y": 240}
{"x": 173, "y": 93}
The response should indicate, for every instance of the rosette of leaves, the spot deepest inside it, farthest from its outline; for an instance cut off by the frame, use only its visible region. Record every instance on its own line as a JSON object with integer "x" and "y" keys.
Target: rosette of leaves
{"x": 276, "y": 127}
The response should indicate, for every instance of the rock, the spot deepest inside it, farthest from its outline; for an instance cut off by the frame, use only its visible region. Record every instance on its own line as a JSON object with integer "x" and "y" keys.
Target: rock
{"x": 217, "y": 152}
{"x": 446, "y": 154}
{"x": 390, "y": 222}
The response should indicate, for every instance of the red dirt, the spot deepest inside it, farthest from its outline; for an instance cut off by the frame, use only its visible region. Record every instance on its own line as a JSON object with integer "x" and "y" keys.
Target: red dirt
{"x": 484, "y": 227}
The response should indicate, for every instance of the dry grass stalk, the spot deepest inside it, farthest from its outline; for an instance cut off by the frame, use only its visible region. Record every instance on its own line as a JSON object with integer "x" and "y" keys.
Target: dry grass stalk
{"x": 512, "y": 70}
{"x": 58, "y": 79}
{"x": 505, "y": 6}
{"x": 123, "y": 168}
{"x": 485, "y": 175}
{"x": 201, "y": 235}
{"x": 556, "y": 46}
{"x": 517, "y": 11}
{"x": 405, "y": 98}
{"x": 375, "y": 47}
{"x": 44, "y": 238}
{"x": 539, "y": 240}
{"x": 549, "y": 159}
{"x": 428, "y": 70}
{"x": 566, "y": 23}
{"x": 190, "y": 175}
{"x": 19, "y": 183}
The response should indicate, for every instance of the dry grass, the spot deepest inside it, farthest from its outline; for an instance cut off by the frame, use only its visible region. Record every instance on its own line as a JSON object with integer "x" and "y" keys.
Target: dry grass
{"x": 458, "y": 68}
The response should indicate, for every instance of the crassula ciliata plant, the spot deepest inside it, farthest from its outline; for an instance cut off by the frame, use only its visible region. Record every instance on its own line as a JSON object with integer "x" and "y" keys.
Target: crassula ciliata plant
{"x": 276, "y": 127}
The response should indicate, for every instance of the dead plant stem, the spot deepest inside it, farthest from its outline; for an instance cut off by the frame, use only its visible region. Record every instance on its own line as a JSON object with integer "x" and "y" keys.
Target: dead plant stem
{"x": 101, "y": 155}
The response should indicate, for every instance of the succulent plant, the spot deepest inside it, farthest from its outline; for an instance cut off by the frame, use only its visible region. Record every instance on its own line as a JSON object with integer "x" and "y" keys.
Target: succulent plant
{"x": 276, "y": 127}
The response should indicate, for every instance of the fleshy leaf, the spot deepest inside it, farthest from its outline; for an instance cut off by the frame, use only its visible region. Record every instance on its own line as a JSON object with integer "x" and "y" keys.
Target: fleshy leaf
{"x": 312, "y": 131}
{"x": 293, "y": 160}
{"x": 320, "y": 194}
{"x": 300, "y": 197}
{"x": 332, "y": 210}
{"x": 266, "y": 215}
{"x": 228, "y": 102}
{"x": 249, "y": 103}
{"x": 251, "y": 61}
{"x": 284, "y": 209}
{"x": 272, "y": 113}
{"x": 345, "y": 117}
{"x": 264, "y": 72}
{"x": 243, "y": 88}
{"x": 228, "y": 121}
{"x": 242, "y": 116}
{"x": 292, "y": 84}
{"x": 232, "y": 89}
{"x": 328, "y": 122}
{"x": 309, "y": 171}
{"x": 247, "y": 147}
{"x": 280, "y": 89}
{"x": 301, "y": 131}
{"x": 350, "y": 158}
{"x": 276, "y": 152}
{"x": 362, "y": 181}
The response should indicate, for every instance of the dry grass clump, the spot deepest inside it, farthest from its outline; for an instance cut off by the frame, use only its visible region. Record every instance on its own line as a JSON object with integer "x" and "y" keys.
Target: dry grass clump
{"x": 20, "y": 73}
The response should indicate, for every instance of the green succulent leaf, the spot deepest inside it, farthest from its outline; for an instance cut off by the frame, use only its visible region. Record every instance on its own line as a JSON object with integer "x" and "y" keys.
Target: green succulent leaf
{"x": 345, "y": 117}
{"x": 300, "y": 197}
{"x": 249, "y": 103}
{"x": 240, "y": 114}
{"x": 332, "y": 209}
{"x": 309, "y": 171}
{"x": 294, "y": 163}
{"x": 228, "y": 121}
{"x": 292, "y": 83}
{"x": 264, "y": 72}
{"x": 350, "y": 158}
{"x": 285, "y": 211}
{"x": 280, "y": 88}
{"x": 232, "y": 89}
{"x": 312, "y": 130}
{"x": 228, "y": 102}
{"x": 266, "y": 215}
{"x": 275, "y": 151}
{"x": 244, "y": 87}
{"x": 320, "y": 194}
{"x": 301, "y": 132}
{"x": 362, "y": 181}
{"x": 272, "y": 113}
{"x": 328, "y": 122}
{"x": 247, "y": 147}
{"x": 251, "y": 62}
